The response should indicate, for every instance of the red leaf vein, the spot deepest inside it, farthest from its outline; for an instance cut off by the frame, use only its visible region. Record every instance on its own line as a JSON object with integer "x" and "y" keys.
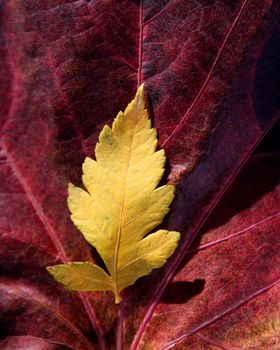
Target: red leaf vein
{"x": 221, "y": 240}
{"x": 52, "y": 234}
{"x": 208, "y": 76}
{"x": 218, "y": 317}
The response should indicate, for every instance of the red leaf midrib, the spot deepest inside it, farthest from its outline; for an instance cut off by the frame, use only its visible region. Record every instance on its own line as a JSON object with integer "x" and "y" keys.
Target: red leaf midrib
{"x": 165, "y": 280}
{"x": 140, "y": 45}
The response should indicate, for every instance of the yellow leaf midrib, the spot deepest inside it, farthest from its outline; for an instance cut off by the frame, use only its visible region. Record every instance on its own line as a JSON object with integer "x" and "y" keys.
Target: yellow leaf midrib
{"x": 120, "y": 223}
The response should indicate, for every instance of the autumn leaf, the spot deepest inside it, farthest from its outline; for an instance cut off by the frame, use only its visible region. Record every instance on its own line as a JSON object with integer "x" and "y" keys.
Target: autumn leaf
{"x": 211, "y": 71}
{"x": 120, "y": 206}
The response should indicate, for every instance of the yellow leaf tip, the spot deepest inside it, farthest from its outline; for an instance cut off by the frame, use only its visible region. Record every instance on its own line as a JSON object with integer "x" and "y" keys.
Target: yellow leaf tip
{"x": 87, "y": 159}
{"x": 70, "y": 187}
{"x": 51, "y": 270}
{"x": 140, "y": 92}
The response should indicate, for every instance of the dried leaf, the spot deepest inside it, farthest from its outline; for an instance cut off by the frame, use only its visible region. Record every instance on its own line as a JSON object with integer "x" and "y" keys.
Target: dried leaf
{"x": 121, "y": 205}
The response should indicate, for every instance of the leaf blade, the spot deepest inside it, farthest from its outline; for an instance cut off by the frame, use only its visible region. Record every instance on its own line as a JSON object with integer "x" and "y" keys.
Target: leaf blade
{"x": 81, "y": 276}
{"x": 150, "y": 253}
{"x": 121, "y": 203}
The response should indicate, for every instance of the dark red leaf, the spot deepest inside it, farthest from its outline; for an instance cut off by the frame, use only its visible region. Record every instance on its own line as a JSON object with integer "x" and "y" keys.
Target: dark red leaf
{"x": 211, "y": 70}
{"x": 238, "y": 260}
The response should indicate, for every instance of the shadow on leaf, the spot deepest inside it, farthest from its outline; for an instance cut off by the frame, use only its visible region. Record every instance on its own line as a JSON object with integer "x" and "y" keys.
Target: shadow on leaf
{"x": 180, "y": 292}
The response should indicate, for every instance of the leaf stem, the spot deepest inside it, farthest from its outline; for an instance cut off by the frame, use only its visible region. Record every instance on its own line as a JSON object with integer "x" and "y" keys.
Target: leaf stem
{"x": 121, "y": 323}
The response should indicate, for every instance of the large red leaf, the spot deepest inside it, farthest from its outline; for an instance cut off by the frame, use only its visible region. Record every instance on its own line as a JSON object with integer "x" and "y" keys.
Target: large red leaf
{"x": 233, "y": 301}
{"x": 212, "y": 77}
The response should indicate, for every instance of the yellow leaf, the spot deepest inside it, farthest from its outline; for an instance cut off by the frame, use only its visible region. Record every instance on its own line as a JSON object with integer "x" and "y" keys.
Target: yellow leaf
{"x": 83, "y": 276}
{"x": 121, "y": 205}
